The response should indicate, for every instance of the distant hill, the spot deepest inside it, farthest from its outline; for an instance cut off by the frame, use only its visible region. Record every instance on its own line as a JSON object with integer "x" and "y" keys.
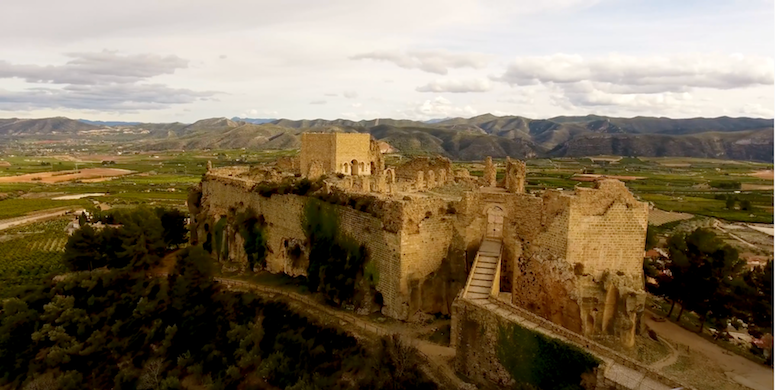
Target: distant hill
{"x": 255, "y": 121}
{"x": 742, "y": 145}
{"x": 109, "y": 123}
{"x": 45, "y": 126}
{"x": 457, "y": 138}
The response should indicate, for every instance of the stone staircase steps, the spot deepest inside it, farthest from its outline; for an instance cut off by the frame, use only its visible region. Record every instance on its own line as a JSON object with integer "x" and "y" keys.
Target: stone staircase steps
{"x": 483, "y": 276}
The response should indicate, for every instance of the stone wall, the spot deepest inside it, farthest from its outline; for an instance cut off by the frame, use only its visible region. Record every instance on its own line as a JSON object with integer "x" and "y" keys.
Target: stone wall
{"x": 475, "y": 337}
{"x": 584, "y": 267}
{"x": 283, "y": 215}
{"x": 318, "y": 147}
{"x": 336, "y": 153}
{"x": 607, "y": 229}
{"x": 572, "y": 257}
{"x": 353, "y": 148}
{"x": 408, "y": 170}
{"x": 408, "y": 240}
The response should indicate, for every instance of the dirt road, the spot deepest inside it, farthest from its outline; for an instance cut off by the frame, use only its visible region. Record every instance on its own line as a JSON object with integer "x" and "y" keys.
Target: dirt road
{"x": 737, "y": 368}
{"x": 9, "y": 223}
{"x": 437, "y": 356}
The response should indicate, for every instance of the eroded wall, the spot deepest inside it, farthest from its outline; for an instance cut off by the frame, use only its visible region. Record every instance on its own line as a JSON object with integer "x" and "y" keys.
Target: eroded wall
{"x": 283, "y": 217}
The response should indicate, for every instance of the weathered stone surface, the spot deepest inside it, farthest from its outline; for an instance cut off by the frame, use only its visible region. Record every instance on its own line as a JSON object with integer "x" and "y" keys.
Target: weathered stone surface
{"x": 345, "y": 153}
{"x": 574, "y": 258}
{"x": 489, "y": 173}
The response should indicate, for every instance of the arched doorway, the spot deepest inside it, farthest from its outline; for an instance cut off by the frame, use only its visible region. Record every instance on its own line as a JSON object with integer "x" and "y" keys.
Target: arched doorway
{"x": 356, "y": 171}
{"x": 495, "y": 222}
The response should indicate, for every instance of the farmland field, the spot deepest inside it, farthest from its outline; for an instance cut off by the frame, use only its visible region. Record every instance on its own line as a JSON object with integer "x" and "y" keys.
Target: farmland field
{"x": 31, "y": 252}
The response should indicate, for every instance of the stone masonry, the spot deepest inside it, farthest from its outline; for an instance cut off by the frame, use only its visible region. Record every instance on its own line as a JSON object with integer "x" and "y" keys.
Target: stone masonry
{"x": 574, "y": 258}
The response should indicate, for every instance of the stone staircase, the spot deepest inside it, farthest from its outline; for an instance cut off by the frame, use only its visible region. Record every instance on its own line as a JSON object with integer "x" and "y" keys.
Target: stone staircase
{"x": 485, "y": 273}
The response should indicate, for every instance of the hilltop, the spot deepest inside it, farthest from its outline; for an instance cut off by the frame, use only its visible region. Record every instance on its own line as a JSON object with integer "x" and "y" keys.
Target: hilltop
{"x": 457, "y": 138}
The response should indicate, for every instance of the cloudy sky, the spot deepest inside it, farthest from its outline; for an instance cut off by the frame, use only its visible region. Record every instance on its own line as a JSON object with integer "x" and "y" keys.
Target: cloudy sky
{"x": 183, "y": 60}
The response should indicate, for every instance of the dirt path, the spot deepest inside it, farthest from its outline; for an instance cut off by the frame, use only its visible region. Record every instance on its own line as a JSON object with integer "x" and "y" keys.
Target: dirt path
{"x": 438, "y": 357}
{"x": 9, "y": 223}
{"x": 669, "y": 360}
{"x": 737, "y": 368}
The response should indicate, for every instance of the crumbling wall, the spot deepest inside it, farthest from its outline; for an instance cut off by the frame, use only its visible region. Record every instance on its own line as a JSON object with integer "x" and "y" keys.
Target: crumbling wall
{"x": 514, "y": 181}
{"x": 408, "y": 170}
{"x": 433, "y": 255}
{"x": 283, "y": 215}
{"x": 607, "y": 229}
{"x": 583, "y": 269}
{"x": 288, "y": 164}
{"x": 490, "y": 173}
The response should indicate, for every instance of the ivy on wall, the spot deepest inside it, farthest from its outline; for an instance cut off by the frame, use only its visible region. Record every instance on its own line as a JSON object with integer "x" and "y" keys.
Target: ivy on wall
{"x": 221, "y": 249}
{"x": 540, "y": 361}
{"x": 336, "y": 260}
{"x": 252, "y": 228}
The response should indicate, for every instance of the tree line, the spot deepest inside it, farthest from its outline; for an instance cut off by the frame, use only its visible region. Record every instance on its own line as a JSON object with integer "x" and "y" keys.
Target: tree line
{"x": 705, "y": 275}
{"x": 113, "y": 325}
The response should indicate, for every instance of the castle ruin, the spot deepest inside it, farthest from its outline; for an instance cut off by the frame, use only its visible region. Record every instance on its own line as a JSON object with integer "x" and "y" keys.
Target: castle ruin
{"x": 437, "y": 235}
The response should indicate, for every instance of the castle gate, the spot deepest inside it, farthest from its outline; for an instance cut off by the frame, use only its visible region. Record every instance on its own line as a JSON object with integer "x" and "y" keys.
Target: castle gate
{"x": 495, "y": 222}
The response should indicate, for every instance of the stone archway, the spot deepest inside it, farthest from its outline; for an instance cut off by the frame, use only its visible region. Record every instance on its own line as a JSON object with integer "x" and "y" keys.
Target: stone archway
{"x": 356, "y": 168}
{"x": 346, "y": 168}
{"x": 495, "y": 216}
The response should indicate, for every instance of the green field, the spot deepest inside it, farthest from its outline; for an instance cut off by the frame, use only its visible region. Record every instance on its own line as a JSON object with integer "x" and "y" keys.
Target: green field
{"x": 163, "y": 178}
{"x": 31, "y": 252}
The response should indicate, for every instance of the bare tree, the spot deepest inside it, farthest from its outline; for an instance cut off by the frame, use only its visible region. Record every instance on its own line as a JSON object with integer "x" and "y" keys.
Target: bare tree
{"x": 152, "y": 375}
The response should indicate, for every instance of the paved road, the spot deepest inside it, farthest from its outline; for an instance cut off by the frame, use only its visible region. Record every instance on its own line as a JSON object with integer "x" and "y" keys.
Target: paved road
{"x": 737, "y": 368}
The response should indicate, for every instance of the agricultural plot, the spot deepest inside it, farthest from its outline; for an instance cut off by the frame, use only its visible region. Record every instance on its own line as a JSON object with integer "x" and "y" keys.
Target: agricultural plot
{"x": 30, "y": 253}
{"x": 659, "y": 217}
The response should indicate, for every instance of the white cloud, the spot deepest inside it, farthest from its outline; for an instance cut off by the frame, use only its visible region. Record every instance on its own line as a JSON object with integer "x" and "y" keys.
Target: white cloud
{"x": 108, "y": 98}
{"x": 456, "y": 86}
{"x": 432, "y": 61}
{"x": 638, "y": 84}
{"x": 629, "y": 74}
{"x": 96, "y": 68}
{"x": 757, "y": 110}
{"x": 437, "y": 107}
{"x": 350, "y": 94}
{"x": 318, "y": 102}
{"x": 356, "y": 105}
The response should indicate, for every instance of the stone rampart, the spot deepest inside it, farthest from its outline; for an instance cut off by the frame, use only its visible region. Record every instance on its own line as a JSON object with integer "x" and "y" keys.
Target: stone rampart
{"x": 283, "y": 215}
{"x": 475, "y": 327}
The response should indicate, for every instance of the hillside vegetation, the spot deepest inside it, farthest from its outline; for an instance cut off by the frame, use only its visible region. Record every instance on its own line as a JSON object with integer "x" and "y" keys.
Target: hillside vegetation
{"x": 457, "y": 138}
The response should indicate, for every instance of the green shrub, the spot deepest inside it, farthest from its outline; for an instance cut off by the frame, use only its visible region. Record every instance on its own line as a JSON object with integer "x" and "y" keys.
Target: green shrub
{"x": 726, "y": 184}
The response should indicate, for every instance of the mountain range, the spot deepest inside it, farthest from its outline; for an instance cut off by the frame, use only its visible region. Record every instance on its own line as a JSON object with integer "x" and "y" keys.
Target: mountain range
{"x": 457, "y": 138}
